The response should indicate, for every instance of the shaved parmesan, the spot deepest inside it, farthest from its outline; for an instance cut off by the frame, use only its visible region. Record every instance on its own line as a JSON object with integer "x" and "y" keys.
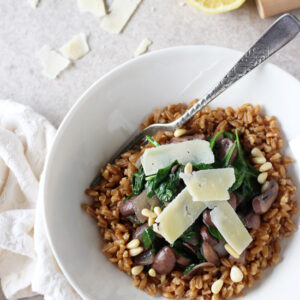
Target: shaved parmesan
{"x": 96, "y": 7}
{"x": 180, "y": 214}
{"x": 230, "y": 226}
{"x": 34, "y": 3}
{"x": 52, "y": 62}
{"x": 209, "y": 185}
{"x": 120, "y": 13}
{"x": 196, "y": 151}
{"x": 143, "y": 47}
{"x": 76, "y": 48}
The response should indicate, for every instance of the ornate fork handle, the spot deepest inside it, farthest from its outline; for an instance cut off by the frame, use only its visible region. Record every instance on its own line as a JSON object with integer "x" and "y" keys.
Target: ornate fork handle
{"x": 279, "y": 34}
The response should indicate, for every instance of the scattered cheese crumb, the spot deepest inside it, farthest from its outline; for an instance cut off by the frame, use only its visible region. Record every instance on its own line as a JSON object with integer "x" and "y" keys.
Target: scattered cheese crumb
{"x": 52, "y": 62}
{"x": 120, "y": 13}
{"x": 143, "y": 47}
{"x": 34, "y": 3}
{"x": 96, "y": 7}
{"x": 76, "y": 48}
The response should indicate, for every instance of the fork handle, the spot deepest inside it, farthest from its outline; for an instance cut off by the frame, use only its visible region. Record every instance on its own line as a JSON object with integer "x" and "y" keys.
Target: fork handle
{"x": 284, "y": 30}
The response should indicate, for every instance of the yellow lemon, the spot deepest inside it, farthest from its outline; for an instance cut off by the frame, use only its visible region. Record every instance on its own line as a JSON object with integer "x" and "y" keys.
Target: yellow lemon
{"x": 216, "y": 6}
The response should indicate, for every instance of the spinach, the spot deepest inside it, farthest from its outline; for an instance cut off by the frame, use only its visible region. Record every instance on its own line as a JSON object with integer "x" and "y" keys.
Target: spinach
{"x": 214, "y": 138}
{"x": 215, "y": 232}
{"x": 152, "y": 141}
{"x": 189, "y": 268}
{"x": 228, "y": 155}
{"x": 163, "y": 184}
{"x": 188, "y": 234}
{"x": 180, "y": 249}
{"x": 229, "y": 135}
{"x": 148, "y": 236}
{"x": 202, "y": 166}
{"x": 137, "y": 182}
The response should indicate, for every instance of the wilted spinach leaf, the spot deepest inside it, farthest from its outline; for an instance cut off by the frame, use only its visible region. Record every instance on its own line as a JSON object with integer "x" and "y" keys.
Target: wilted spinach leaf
{"x": 202, "y": 166}
{"x": 137, "y": 181}
{"x": 148, "y": 236}
{"x": 189, "y": 268}
{"x": 152, "y": 141}
{"x": 215, "y": 232}
{"x": 214, "y": 138}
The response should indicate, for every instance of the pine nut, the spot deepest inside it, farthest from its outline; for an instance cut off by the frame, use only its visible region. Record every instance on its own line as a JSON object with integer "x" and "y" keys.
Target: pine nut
{"x": 163, "y": 278}
{"x": 188, "y": 169}
{"x": 236, "y": 275}
{"x": 255, "y": 152}
{"x": 231, "y": 251}
{"x": 265, "y": 186}
{"x": 179, "y": 132}
{"x": 259, "y": 160}
{"x": 262, "y": 177}
{"x": 148, "y": 213}
{"x": 136, "y": 251}
{"x": 137, "y": 270}
{"x": 152, "y": 272}
{"x": 217, "y": 286}
{"x": 133, "y": 244}
{"x": 157, "y": 210}
{"x": 265, "y": 167}
{"x": 151, "y": 221}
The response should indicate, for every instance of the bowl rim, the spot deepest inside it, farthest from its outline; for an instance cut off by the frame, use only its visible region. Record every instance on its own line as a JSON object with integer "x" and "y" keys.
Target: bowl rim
{"x": 78, "y": 104}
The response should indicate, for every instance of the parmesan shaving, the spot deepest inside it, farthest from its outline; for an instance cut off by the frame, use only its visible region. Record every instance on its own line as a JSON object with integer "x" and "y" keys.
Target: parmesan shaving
{"x": 76, "y": 48}
{"x": 95, "y": 7}
{"x": 52, "y": 62}
{"x": 143, "y": 47}
{"x": 120, "y": 13}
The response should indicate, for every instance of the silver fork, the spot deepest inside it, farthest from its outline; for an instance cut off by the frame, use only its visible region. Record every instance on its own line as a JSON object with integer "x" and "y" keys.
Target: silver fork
{"x": 284, "y": 30}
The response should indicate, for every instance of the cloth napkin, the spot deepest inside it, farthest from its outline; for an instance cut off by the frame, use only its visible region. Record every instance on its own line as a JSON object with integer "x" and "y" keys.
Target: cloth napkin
{"x": 27, "y": 266}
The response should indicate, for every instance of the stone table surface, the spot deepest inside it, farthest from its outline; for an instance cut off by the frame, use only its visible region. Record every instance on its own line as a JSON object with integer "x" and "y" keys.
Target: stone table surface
{"x": 24, "y": 30}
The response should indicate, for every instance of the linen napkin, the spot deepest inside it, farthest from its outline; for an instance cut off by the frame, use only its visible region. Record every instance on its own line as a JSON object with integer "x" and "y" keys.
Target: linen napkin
{"x": 27, "y": 266}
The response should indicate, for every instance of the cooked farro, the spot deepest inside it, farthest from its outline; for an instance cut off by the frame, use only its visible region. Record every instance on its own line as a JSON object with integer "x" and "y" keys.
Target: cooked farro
{"x": 256, "y": 130}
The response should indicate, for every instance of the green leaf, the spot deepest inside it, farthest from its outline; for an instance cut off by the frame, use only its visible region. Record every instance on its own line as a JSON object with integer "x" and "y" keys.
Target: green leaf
{"x": 214, "y": 138}
{"x": 188, "y": 234}
{"x": 239, "y": 179}
{"x": 180, "y": 249}
{"x": 189, "y": 268}
{"x": 138, "y": 181}
{"x": 229, "y": 135}
{"x": 202, "y": 166}
{"x": 148, "y": 236}
{"x": 152, "y": 141}
{"x": 215, "y": 232}
{"x": 228, "y": 155}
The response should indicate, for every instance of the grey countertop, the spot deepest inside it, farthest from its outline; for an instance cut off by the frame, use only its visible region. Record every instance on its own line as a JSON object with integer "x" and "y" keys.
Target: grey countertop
{"x": 23, "y": 31}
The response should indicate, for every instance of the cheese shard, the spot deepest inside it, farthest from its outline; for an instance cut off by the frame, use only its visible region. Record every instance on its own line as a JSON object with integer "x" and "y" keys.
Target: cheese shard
{"x": 195, "y": 151}
{"x": 230, "y": 226}
{"x": 143, "y": 47}
{"x": 52, "y": 62}
{"x": 120, "y": 13}
{"x": 209, "y": 185}
{"x": 96, "y": 7}
{"x": 76, "y": 48}
{"x": 180, "y": 214}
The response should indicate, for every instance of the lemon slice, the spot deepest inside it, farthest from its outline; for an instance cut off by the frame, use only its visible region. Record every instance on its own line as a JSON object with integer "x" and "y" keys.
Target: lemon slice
{"x": 216, "y": 6}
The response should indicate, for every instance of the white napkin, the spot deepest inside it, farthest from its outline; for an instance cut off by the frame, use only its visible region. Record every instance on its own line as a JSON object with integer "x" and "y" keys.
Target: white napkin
{"x": 27, "y": 266}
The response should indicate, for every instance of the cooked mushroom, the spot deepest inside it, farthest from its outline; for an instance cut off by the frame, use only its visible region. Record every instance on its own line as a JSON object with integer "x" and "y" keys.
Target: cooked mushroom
{"x": 233, "y": 201}
{"x": 205, "y": 235}
{"x": 263, "y": 202}
{"x": 139, "y": 231}
{"x": 224, "y": 146}
{"x": 183, "y": 261}
{"x": 219, "y": 248}
{"x": 174, "y": 168}
{"x": 190, "y": 247}
{"x": 126, "y": 208}
{"x": 252, "y": 220}
{"x": 241, "y": 259}
{"x": 164, "y": 261}
{"x": 209, "y": 253}
{"x": 207, "y": 219}
{"x": 145, "y": 258}
{"x": 194, "y": 270}
{"x": 185, "y": 138}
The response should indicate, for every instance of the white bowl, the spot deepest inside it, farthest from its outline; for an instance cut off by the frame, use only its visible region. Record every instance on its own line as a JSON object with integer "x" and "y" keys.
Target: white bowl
{"x": 103, "y": 118}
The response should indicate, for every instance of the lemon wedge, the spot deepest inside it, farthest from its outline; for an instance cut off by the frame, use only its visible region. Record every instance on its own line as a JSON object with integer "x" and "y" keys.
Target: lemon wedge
{"x": 216, "y": 6}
